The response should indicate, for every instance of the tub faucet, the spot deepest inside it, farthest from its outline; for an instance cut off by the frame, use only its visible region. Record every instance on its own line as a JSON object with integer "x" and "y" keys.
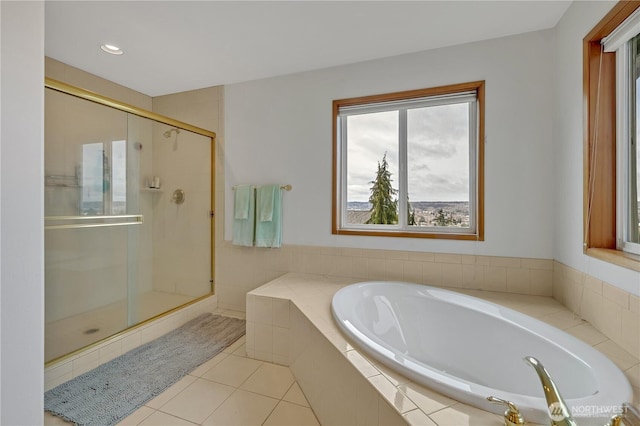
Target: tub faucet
{"x": 559, "y": 412}
{"x": 512, "y": 415}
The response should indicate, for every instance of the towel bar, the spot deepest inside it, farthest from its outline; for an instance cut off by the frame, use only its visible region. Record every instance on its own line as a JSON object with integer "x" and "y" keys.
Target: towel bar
{"x": 286, "y": 187}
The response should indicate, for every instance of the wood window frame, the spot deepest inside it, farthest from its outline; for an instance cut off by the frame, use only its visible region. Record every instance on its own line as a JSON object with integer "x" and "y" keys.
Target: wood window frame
{"x": 479, "y": 87}
{"x": 599, "y": 160}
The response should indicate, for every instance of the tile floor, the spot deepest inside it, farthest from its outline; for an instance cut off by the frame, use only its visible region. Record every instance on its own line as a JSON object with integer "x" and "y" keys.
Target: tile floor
{"x": 229, "y": 389}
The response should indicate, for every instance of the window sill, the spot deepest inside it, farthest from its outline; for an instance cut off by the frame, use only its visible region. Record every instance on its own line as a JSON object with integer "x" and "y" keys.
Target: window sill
{"x": 406, "y": 234}
{"x": 617, "y": 257}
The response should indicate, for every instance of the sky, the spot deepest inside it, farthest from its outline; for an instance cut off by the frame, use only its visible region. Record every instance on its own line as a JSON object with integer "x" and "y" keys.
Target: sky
{"x": 437, "y": 153}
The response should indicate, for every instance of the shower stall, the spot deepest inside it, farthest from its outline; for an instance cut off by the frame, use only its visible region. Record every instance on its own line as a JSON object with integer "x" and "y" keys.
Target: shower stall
{"x": 128, "y": 201}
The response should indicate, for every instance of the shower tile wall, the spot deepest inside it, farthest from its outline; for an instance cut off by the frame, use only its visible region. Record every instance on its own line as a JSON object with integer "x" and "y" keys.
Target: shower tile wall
{"x": 182, "y": 261}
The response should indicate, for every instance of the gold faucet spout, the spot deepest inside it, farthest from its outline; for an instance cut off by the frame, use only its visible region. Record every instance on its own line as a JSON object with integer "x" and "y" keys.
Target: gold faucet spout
{"x": 559, "y": 412}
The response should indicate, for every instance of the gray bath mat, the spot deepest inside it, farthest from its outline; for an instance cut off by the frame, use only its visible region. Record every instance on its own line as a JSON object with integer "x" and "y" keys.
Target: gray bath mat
{"x": 112, "y": 391}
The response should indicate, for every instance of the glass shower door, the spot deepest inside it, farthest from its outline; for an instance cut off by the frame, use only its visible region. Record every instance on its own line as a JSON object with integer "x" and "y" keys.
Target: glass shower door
{"x": 92, "y": 219}
{"x": 128, "y": 229}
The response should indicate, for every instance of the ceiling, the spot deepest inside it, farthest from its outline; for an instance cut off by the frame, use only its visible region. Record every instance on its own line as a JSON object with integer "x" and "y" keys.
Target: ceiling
{"x": 174, "y": 46}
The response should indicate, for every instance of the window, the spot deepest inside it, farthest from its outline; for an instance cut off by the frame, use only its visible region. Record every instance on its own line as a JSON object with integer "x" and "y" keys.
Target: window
{"x": 611, "y": 198}
{"x": 627, "y": 199}
{"x": 119, "y": 177}
{"x": 104, "y": 188}
{"x": 410, "y": 164}
{"x": 93, "y": 168}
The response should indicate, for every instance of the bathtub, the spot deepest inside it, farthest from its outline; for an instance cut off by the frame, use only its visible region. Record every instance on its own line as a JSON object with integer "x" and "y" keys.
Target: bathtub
{"x": 467, "y": 348}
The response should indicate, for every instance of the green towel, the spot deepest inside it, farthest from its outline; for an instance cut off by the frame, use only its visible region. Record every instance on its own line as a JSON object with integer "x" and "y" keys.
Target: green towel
{"x": 244, "y": 216}
{"x": 243, "y": 196}
{"x": 269, "y": 216}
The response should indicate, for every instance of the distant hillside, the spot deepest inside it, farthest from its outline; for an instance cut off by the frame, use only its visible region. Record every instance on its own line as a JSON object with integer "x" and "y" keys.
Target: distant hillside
{"x": 358, "y": 205}
{"x": 418, "y": 205}
{"x": 426, "y": 212}
{"x": 444, "y": 205}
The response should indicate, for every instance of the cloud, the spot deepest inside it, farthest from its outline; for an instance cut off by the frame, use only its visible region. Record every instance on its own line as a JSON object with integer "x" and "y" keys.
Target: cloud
{"x": 438, "y": 152}
{"x": 438, "y": 132}
{"x": 422, "y": 167}
{"x": 432, "y": 149}
{"x": 358, "y": 192}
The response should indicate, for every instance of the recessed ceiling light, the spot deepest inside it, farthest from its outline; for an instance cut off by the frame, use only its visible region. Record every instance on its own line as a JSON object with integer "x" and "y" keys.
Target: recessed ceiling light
{"x": 110, "y": 48}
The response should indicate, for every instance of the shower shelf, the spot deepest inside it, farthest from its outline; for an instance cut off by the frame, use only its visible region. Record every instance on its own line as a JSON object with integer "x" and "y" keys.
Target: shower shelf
{"x": 61, "y": 181}
{"x": 151, "y": 189}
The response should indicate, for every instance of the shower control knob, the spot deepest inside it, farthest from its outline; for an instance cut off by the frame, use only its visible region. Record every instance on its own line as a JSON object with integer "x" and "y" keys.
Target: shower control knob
{"x": 178, "y": 196}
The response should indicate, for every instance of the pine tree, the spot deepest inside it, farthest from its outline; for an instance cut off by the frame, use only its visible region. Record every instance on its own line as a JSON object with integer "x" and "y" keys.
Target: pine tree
{"x": 445, "y": 219}
{"x": 384, "y": 208}
{"x": 440, "y": 219}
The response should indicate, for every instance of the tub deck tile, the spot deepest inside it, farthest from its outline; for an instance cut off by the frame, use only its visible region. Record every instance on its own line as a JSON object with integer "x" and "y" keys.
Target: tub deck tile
{"x": 417, "y": 405}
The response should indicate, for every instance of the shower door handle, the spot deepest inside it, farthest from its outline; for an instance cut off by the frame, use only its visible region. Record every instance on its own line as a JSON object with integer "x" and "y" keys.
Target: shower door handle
{"x": 62, "y": 222}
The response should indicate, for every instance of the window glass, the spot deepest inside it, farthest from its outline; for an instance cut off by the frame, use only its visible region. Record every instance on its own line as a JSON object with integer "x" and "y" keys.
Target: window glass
{"x": 611, "y": 181}
{"x": 408, "y": 163}
{"x": 631, "y": 156}
{"x": 119, "y": 177}
{"x": 104, "y": 179}
{"x": 438, "y": 165}
{"x": 372, "y": 144}
{"x": 93, "y": 183}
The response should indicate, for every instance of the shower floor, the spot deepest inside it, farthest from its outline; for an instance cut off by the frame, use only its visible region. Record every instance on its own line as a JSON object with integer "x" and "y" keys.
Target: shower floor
{"x": 75, "y": 332}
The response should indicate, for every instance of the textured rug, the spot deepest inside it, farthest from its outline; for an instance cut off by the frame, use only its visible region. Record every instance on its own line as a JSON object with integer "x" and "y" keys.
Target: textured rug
{"x": 112, "y": 391}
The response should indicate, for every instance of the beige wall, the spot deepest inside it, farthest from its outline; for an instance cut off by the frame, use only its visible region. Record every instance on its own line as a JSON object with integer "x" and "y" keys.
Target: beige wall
{"x": 76, "y": 77}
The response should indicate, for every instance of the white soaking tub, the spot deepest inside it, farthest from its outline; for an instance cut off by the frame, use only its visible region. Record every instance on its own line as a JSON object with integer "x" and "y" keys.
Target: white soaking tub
{"x": 468, "y": 349}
